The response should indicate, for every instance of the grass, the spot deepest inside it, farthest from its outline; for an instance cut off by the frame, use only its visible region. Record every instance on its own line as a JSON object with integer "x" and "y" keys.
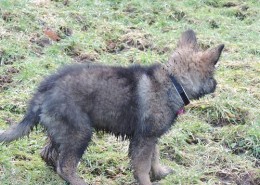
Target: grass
{"x": 217, "y": 141}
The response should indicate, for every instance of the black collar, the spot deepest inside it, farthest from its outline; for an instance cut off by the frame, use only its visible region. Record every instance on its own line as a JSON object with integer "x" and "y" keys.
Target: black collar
{"x": 180, "y": 90}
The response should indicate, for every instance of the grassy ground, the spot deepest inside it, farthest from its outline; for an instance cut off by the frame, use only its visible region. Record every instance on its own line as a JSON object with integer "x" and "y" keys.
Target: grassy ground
{"x": 216, "y": 142}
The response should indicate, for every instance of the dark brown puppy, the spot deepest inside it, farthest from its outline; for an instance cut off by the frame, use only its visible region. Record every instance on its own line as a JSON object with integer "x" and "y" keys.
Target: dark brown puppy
{"x": 138, "y": 103}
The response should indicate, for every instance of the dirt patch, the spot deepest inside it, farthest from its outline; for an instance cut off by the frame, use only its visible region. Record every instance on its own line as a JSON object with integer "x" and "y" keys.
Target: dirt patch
{"x": 213, "y": 24}
{"x": 213, "y": 3}
{"x": 229, "y": 4}
{"x": 177, "y": 15}
{"x": 112, "y": 170}
{"x": 226, "y": 121}
{"x": 21, "y": 157}
{"x": 178, "y": 157}
{"x": 85, "y": 27}
{"x": 115, "y": 46}
{"x": 193, "y": 140}
{"x": 52, "y": 34}
{"x": 8, "y": 16}
{"x": 257, "y": 163}
{"x": 114, "y": 173}
{"x": 130, "y": 9}
{"x": 240, "y": 15}
{"x": 66, "y": 2}
{"x": 12, "y": 70}
{"x": 204, "y": 46}
{"x": 8, "y": 120}
{"x": 96, "y": 171}
{"x": 137, "y": 39}
{"x": 162, "y": 50}
{"x": 228, "y": 176}
{"x": 9, "y": 59}
{"x": 244, "y": 8}
{"x": 78, "y": 17}
{"x": 83, "y": 21}
{"x": 64, "y": 32}
{"x": 109, "y": 173}
{"x": 7, "y": 78}
{"x": 133, "y": 38}
{"x": 86, "y": 58}
{"x": 41, "y": 41}
{"x": 73, "y": 50}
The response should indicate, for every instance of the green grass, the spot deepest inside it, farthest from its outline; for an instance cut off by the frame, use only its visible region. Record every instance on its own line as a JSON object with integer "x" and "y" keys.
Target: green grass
{"x": 216, "y": 142}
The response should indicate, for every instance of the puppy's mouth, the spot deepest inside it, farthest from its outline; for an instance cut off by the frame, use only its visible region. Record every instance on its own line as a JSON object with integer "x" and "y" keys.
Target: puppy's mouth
{"x": 208, "y": 90}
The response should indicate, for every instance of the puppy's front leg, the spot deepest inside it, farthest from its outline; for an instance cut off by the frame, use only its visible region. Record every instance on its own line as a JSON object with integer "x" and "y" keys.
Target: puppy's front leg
{"x": 158, "y": 170}
{"x": 141, "y": 151}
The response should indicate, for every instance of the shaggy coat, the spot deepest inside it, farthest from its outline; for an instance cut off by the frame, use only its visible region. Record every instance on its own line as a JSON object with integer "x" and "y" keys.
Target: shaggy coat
{"x": 138, "y": 103}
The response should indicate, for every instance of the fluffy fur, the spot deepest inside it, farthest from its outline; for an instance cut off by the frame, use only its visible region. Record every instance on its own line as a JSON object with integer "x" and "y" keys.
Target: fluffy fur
{"x": 138, "y": 103}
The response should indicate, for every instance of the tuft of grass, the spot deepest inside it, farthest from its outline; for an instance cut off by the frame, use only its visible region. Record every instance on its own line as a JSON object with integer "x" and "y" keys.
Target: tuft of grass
{"x": 221, "y": 113}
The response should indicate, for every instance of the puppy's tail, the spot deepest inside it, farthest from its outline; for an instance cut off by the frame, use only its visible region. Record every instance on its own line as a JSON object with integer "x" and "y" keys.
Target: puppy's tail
{"x": 23, "y": 128}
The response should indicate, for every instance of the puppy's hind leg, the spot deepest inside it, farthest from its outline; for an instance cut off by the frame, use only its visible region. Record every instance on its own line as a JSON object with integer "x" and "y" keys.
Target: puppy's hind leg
{"x": 50, "y": 154}
{"x": 69, "y": 138}
{"x": 70, "y": 152}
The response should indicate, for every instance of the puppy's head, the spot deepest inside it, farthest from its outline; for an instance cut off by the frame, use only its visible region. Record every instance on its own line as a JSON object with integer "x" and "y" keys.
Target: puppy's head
{"x": 194, "y": 67}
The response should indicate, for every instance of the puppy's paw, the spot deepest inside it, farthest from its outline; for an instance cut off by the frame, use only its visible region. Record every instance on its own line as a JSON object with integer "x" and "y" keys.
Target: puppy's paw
{"x": 161, "y": 172}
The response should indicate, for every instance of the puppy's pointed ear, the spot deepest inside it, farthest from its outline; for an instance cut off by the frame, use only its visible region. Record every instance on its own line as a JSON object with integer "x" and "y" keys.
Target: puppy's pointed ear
{"x": 188, "y": 39}
{"x": 212, "y": 55}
